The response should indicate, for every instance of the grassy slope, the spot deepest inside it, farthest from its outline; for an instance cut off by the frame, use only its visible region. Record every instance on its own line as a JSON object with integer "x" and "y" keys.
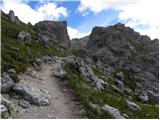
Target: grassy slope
{"x": 27, "y": 54}
{"x": 87, "y": 94}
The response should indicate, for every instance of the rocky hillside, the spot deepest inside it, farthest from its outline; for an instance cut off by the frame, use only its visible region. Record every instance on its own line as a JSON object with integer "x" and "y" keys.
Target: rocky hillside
{"x": 115, "y": 76}
{"x": 120, "y": 49}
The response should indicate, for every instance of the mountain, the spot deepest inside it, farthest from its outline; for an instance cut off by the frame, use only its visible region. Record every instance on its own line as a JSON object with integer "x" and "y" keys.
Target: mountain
{"x": 112, "y": 73}
{"x": 120, "y": 48}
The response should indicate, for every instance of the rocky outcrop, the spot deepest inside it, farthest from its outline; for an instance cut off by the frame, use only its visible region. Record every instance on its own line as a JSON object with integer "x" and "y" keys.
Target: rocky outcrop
{"x": 6, "y": 84}
{"x": 53, "y": 31}
{"x": 32, "y": 94}
{"x": 79, "y": 43}
{"x": 118, "y": 47}
{"x": 13, "y": 18}
{"x": 86, "y": 70}
{"x": 24, "y": 37}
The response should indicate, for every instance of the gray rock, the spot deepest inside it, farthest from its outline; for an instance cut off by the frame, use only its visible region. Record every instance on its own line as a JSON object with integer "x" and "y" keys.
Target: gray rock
{"x": 113, "y": 111}
{"x": 125, "y": 115}
{"x": 17, "y": 21}
{"x": 15, "y": 49}
{"x": 88, "y": 73}
{"x": 6, "y": 83}
{"x": 153, "y": 96}
{"x": 118, "y": 90}
{"x": 24, "y": 104}
{"x": 127, "y": 91}
{"x": 3, "y": 108}
{"x": 59, "y": 72}
{"x": 24, "y": 37}
{"x": 54, "y": 31}
{"x": 133, "y": 106}
{"x": 11, "y": 16}
{"x": 119, "y": 82}
{"x": 120, "y": 75}
{"x": 32, "y": 94}
{"x": 45, "y": 40}
{"x": 143, "y": 98}
{"x": 29, "y": 23}
{"x": 12, "y": 70}
{"x": 94, "y": 106}
{"x": 4, "y": 101}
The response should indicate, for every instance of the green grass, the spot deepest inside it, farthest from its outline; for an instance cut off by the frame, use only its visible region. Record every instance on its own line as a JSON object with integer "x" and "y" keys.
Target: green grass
{"x": 86, "y": 94}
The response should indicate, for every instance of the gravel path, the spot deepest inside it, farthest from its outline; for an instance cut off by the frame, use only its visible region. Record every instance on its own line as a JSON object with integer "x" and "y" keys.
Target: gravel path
{"x": 62, "y": 104}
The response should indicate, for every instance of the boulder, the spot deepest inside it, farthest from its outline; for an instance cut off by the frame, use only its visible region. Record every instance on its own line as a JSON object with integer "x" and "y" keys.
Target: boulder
{"x": 24, "y": 37}
{"x": 32, "y": 94}
{"x": 6, "y": 83}
{"x": 59, "y": 72}
{"x": 12, "y": 70}
{"x": 133, "y": 106}
{"x": 120, "y": 75}
{"x": 24, "y": 104}
{"x": 143, "y": 98}
{"x": 113, "y": 111}
{"x": 127, "y": 91}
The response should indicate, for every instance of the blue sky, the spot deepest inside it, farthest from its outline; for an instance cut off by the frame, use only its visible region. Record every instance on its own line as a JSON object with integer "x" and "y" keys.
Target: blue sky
{"x": 83, "y": 15}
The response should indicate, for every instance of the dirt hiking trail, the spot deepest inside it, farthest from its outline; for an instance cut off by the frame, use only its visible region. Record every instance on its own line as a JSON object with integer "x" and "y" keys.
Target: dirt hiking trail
{"x": 62, "y": 103}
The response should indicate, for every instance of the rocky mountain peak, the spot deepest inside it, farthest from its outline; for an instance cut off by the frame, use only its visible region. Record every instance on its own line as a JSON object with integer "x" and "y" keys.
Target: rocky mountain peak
{"x": 121, "y": 48}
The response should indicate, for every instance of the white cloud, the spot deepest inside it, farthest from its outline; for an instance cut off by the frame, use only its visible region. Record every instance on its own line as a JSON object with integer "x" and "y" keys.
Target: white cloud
{"x": 48, "y": 11}
{"x": 97, "y": 6}
{"x": 92, "y": 5}
{"x": 74, "y": 33}
{"x": 145, "y": 12}
{"x": 132, "y": 12}
{"x": 153, "y": 32}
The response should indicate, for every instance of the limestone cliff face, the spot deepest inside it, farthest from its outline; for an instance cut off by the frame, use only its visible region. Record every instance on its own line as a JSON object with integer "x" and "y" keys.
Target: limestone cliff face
{"x": 54, "y": 31}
